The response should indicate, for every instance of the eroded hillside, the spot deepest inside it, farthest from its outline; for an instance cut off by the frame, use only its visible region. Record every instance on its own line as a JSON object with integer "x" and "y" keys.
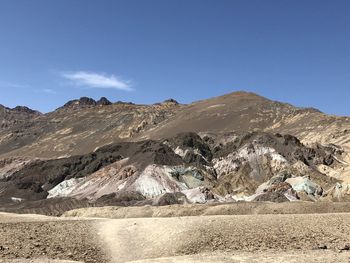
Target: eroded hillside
{"x": 239, "y": 146}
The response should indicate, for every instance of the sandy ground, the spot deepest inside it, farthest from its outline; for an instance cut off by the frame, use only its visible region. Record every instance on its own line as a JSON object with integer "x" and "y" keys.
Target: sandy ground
{"x": 41, "y": 260}
{"x": 236, "y": 208}
{"x": 256, "y": 257}
{"x": 42, "y": 238}
{"x": 230, "y": 238}
{"x": 134, "y": 239}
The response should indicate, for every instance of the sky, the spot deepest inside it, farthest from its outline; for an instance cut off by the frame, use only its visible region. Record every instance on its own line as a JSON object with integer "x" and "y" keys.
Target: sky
{"x": 146, "y": 51}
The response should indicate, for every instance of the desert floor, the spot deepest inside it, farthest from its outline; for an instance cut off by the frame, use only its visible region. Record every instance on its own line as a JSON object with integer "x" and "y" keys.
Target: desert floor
{"x": 314, "y": 237}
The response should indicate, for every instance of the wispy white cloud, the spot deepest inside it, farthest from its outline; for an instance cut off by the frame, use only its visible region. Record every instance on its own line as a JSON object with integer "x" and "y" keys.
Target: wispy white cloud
{"x": 97, "y": 80}
{"x": 5, "y": 84}
{"x": 49, "y": 91}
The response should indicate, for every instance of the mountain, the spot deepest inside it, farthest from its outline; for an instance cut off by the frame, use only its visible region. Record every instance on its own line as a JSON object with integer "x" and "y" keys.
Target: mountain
{"x": 16, "y": 117}
{"x": 239, "y": 146}
{"x": 80, "y": 126}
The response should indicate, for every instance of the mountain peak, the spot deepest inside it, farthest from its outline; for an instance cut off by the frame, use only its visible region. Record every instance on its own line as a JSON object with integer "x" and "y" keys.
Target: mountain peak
{"x": 25, "y": 109}
{"x": 86, "y": 102}
{"x": 171, "y": 101}
{"x": 83, "y": 101}
{"x": 20, "y": 109}
{"x": 103, "y": 101}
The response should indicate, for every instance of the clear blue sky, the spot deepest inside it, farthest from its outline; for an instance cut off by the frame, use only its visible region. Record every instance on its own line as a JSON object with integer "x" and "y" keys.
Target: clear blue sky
{"x": 148, "y": 51}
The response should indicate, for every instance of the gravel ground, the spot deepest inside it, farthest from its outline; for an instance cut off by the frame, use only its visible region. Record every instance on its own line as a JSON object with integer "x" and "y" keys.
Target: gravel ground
{"x": 41, "y": 260}
{"x": 234, "y": 238}
{"x": 142, "y": 238}
{"x": 236, "y": 208}
{"x": 45, "y": 238}
{"x": 315, "y": 256}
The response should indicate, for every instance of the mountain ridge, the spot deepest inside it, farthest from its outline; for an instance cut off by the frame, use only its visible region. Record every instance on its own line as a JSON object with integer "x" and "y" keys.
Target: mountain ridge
{"x": 239, "y": 146}
{"x": 237, "y": 111}
{"x": 105, "y": 101}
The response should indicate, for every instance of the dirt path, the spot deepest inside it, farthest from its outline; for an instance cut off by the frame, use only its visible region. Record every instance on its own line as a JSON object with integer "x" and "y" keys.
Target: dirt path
{"x": 135, "y": 239}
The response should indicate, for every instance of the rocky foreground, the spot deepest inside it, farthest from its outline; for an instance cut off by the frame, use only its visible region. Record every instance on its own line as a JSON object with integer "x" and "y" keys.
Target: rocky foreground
{"x": 226, "y": 238}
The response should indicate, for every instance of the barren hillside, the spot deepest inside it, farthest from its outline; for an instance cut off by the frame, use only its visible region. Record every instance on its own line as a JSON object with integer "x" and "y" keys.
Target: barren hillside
{"x": 236, "y": 147}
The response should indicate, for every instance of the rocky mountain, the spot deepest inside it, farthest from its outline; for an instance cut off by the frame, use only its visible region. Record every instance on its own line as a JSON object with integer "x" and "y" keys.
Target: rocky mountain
{"x": 17, "y": 116}
{"x": 80, "y": 126}
{"x": 236, "y": 147}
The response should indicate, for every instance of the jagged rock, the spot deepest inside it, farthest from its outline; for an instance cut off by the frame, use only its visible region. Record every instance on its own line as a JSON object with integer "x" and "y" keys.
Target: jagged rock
{"x": 25, "y": 110}
{"x": 277, "y": 179}
{"x": 87, "y": 101}
{"x": 170, "y": 199}
{"x": 199, "y": 195}
{"x": 83, "y": 101}
{"x": 172, "y": 101}
{"x": 278, "y": 192}
{"x": 304, "y": 184}
{"x": 191, "y": 148}
{"x": 123, "y": 198}
{"x": 18, "y": 118}
{"x": 103, "y": 101}
{"x": 339, "y": 192}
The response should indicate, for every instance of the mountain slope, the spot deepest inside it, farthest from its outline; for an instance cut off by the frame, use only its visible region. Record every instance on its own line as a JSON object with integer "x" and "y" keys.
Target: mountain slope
{"x": 84, "y": 125}
{"x": 239, "y": 146}
{"x": 243, "y": 111}
{"x": 17, "y": 116}
{"x": 81, "y": 128}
